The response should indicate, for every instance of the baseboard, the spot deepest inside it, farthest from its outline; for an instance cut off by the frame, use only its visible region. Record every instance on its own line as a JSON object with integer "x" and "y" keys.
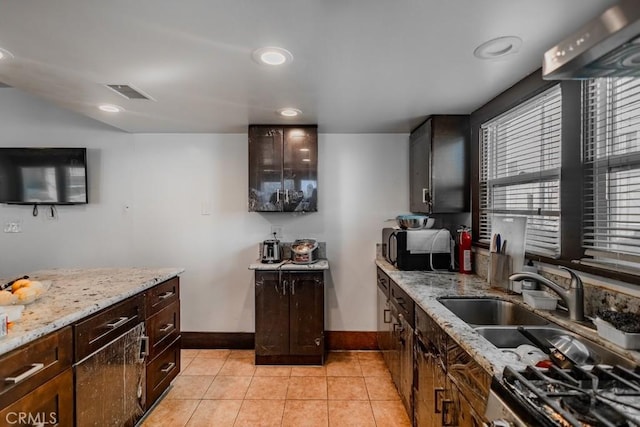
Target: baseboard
{"x": 231, "y": 340}
{"x": 335, "y": 340}
{"x": 351, "y": 340}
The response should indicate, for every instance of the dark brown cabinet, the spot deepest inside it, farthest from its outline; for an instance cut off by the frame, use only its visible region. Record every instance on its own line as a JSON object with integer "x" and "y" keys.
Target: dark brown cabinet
{"x": 439, "y": 165}
{"x": 289, "y": 317}
{"x": 162, "y": 323}
{"x": 283, "y": 168}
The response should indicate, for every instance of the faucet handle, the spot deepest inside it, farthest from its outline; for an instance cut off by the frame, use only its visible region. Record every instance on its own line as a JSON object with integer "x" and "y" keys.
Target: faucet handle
{"x": 576, "y": 282}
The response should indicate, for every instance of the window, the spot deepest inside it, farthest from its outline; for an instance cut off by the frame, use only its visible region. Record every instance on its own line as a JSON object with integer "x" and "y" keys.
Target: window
{"x": 611, "y": 158}
{"x": 520, "y": 170}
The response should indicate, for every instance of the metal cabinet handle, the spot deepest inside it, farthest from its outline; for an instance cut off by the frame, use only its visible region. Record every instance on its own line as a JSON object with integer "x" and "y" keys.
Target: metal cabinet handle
{"x": 278, "y": 195}
{"x": 35, "y": 367}
{"x": 284, "y": 288}
{"x": 166, "y": 295}
{"x": 286, "y": 196}
{"x": 167, "y": 327}
{"x": 318, "y": 341}
{"x": 384, "y": 315}
{"x": 144, "y": 341}
{"x": 293, "y": 287}
{"x": 447, "y": 420}
{"x": 169, "y": 367}
{"x": 425, "y": 191}
{"x": 116, "y": 323}
{"x": 436, "y": 393}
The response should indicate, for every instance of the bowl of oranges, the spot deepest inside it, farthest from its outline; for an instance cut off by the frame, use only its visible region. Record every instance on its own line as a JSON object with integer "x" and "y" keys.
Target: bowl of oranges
{"x": 24, "y": 291}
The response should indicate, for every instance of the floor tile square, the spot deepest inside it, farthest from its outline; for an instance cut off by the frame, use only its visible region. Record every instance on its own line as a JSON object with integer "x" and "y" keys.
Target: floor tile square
{"x": 203, "y": 367}
{"x": 370, "y": 355}
{"x": 344, "y": 364}
{"x": 189, "y": 352}
{"x": 350, "y": 414}
{"x": 381, "y": 388}
{"x": 272, "y": 371}
{"x": 374, "y": 368}
{"x": 347, "y": 388}
{"x": 260, "y": 413}
{"x": 307, "y": 388}
{"x": 242, "y": 354}
{"x": 237, "y": 367}
{"x": 390, "y": 414}
{"x": 189, "y": 387}
{"x": 308, "y": 371}
{"x": 228, "y": 387}
{"x": 213, "y": 354}
{"x": 305, "y": 413}
{"x": 268, "y": 388}
{"x": 215, "y": 413}
{"x": 171, "y": 413}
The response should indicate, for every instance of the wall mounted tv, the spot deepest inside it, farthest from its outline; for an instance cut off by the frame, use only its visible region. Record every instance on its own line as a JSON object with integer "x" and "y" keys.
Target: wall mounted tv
{"x": 43, "y": 176}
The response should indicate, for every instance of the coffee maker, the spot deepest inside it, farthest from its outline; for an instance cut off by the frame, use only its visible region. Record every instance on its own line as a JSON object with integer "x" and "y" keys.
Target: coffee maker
{"x": 271, "y": 250}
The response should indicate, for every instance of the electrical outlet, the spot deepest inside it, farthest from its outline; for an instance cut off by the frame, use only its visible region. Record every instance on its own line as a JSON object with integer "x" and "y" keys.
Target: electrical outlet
{"x": 278, "y": 230}
{"x": 14, "y": 226}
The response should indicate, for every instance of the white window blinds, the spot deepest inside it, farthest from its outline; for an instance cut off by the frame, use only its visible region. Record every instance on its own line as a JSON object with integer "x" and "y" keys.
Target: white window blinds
{"x": 520, "y": 170}
{"x": 611, "y": 156}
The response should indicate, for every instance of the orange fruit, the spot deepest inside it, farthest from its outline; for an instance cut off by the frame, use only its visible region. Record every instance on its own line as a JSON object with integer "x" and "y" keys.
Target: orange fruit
{"x": 20, "y": 284}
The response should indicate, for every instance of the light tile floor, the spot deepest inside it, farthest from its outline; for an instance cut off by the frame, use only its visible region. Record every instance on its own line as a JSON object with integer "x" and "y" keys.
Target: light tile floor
{"x": 225, "y": 388}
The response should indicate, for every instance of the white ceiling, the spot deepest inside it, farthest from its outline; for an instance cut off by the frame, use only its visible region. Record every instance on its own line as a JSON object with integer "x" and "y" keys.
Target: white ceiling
{"x": 360, "y": 66}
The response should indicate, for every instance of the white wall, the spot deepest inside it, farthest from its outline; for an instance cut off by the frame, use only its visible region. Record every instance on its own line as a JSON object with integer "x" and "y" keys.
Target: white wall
{"x": 167, "y": 179}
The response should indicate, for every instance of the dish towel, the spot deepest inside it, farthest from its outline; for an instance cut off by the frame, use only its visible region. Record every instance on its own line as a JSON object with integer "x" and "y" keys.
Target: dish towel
{"x": 429, "y": 241}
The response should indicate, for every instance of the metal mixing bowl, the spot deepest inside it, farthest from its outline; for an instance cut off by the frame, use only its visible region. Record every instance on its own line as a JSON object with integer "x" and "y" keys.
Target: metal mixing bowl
{"x": 414, "y": 221}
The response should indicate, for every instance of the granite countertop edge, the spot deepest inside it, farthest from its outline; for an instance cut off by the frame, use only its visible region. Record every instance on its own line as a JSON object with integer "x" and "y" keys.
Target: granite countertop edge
{"x": 424, "y": 287}
{"x": 71, "y": 298}
{"x": 321, "y": 264}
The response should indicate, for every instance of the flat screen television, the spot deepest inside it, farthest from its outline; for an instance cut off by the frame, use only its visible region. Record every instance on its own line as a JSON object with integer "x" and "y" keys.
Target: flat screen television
{"x": 43, "y": 176}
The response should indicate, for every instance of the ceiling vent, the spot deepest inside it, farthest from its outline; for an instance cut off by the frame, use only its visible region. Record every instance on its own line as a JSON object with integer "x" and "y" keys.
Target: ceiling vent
{"x": 128, "y": 92}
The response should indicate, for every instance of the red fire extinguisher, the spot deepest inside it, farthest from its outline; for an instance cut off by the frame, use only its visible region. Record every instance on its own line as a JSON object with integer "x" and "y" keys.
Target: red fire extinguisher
{"x": 464, "y": 250}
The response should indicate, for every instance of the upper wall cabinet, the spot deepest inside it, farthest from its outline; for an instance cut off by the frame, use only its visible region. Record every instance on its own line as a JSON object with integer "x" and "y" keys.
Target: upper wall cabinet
{"x": 283, "y": 168}
{"x": 439, "y": 165}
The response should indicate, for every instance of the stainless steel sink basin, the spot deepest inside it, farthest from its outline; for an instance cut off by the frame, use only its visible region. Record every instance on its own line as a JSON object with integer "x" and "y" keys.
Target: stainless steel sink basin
{"x": 491, "y": 311}
{"x": 509, "y": 337}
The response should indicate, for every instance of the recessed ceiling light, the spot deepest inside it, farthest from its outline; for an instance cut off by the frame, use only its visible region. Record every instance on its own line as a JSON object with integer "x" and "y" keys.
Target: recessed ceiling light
{"x": 289, "y": 112}
{"x": 272, "y": 56}
{"x": 110, "y": 108}
{"x": 498, "y": 47}
{"x": 5, "y": 54}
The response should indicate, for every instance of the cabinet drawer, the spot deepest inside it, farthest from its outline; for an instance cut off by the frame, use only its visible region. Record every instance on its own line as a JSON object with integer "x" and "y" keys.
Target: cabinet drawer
{"x": 162, "y": 371}
{"x": 102, "y": 328}
{"x": 383, "y": 282}
{"x": 50, "y": 404}
{"x": 403, "y": 302}
{"x": 162, "y": 295}
{"x": 31, "y": 365}
{"x": 162, "y": 328}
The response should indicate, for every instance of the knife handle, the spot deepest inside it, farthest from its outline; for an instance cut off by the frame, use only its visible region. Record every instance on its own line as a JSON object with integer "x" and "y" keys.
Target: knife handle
{"x": 6, "y": 285}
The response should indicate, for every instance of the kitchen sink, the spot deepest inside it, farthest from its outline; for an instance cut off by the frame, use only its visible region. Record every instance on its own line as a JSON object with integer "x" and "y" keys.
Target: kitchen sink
{"x": 491, "y": 311}
{"x": 509, "y": 337}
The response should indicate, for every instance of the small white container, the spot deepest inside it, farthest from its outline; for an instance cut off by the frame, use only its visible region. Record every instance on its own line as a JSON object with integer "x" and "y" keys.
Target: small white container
{"x": 624, "y": 339}
{"x": 539, "y": 299}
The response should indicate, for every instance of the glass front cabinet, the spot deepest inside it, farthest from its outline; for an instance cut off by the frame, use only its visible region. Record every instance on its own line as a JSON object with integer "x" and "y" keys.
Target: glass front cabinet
{"x": 283, "y": 168}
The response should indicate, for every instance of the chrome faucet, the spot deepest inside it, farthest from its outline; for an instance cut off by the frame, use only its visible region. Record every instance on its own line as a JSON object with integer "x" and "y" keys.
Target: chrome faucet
{"x": 573, "y": 297}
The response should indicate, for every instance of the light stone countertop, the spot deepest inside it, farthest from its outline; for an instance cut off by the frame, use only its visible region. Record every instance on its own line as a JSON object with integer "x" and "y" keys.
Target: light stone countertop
{"x": 424, "y": 287}
{"x": 321, "y": 264}
{"x": 75, "y": 294}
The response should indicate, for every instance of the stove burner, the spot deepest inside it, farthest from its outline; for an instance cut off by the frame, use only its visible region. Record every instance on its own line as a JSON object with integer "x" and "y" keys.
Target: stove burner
{"x": 592, "y": 411}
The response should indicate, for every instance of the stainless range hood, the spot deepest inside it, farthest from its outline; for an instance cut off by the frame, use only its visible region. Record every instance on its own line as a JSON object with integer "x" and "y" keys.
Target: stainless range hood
{"x": 608, "y": 46}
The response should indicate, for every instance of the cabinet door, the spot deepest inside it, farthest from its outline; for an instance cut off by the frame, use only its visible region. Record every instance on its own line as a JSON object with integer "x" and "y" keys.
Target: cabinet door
{"x": 420, "y": 169}
{"x": 424, "y": 397}
{"x": 450, "y": 164}
{"x": 307, "y": 313}
{"x": 265, "y": 169}
{"x": 406, "y": 365}
{"x": 300, "y": 169}
{"x": 272, "y": 313}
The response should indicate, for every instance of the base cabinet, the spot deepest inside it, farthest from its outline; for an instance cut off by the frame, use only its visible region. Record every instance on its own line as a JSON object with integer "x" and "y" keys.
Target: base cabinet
{"x": 289, "y": 310}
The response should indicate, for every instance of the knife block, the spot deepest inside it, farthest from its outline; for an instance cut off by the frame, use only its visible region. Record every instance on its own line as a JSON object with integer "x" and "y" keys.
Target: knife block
{"x": 499, "y": 270}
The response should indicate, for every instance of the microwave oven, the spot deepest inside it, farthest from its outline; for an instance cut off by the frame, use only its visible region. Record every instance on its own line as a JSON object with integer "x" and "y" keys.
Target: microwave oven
{"x": 425, "y": 250}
